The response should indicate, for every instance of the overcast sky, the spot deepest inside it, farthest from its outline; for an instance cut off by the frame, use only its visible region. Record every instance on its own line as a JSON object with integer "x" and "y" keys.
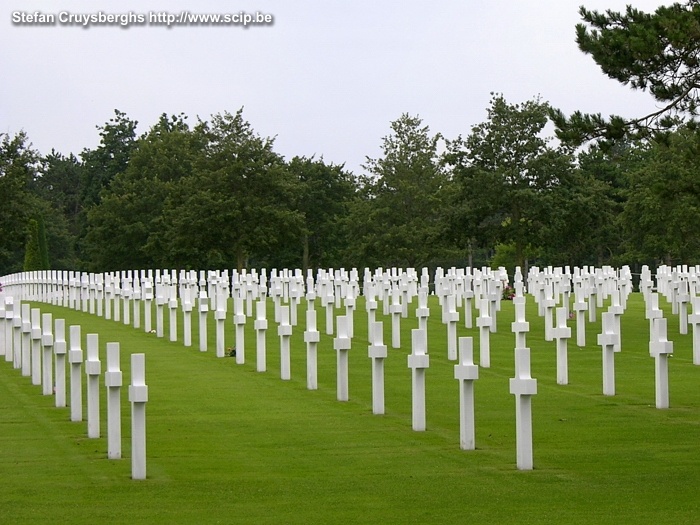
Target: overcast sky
{"x": 326, "y": 78}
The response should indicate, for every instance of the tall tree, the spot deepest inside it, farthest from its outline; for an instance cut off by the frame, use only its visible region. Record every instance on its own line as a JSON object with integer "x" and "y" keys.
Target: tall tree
{"x": 659, "y": 220}
{"x": 658, "y": 53}
{"x": 125, "y": 230}
{"x": 324, "y": 194}
{"x": 236, "y": 208}
{"x": 32, "y": 251}
{"x": 399, "y": 219}
{"x": 507, "y": 172}
{"x": 117, "y": 142}
{"x": 18, "y": 166}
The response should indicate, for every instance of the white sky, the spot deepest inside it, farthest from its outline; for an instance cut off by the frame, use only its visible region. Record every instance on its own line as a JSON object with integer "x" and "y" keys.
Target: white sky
{"x": 326, "y": 78}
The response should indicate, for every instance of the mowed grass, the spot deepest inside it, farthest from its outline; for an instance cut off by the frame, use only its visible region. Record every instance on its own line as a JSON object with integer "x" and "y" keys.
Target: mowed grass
{"x": 227, "y": 444}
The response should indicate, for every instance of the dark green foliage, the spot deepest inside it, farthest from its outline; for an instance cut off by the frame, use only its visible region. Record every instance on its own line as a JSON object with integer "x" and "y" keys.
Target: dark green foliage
{"x": 32, "y": 252}
{"x": 17, "y": 170}
{"x": 398, "y": 220}
{"x": 43, "y": 245}
{"x": 508, "y": 177}
{"x": 325, "y": 192}
{"x": 658, "y": 53}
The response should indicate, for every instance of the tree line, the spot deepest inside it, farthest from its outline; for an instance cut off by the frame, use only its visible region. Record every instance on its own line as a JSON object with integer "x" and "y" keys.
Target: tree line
{"x": 215, "y": 194}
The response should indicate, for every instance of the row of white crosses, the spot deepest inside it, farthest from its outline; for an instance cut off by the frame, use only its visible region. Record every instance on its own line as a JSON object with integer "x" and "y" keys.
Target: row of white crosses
{"x": 37, "y": 345}
{"x": 397, "y": 290}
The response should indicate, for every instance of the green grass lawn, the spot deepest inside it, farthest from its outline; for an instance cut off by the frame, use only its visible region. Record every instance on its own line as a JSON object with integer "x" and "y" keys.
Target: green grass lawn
{"x": 227, "y": 444}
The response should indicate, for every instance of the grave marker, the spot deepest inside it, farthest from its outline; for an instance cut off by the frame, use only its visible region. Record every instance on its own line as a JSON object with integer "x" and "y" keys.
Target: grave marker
{"x": 284, "y": 330}
{"x": 36, "y": 346}
{"x": 342, "y": 345}
{"x": 138, "y": 396}
{"x": 418, "y": 361}
{"x": 311, "y": 338}
{"x": 47, "y": 358}
{"x": 75, "y": 358}
{"x": 377, "y": 352}
{"x": 92, "y": 371}
{"x": 660, "y": 348}
{"x": 59, "y": 349}
{"x": 260, "y": 326}
{"x": 113, "y": 383}
{"x": 523, "y": 386}
{"x": 608, "y": 340}
{"x": 466, "y": 372}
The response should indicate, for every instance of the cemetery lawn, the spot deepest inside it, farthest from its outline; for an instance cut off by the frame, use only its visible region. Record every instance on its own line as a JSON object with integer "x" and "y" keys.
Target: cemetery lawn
{"x": 227, "y": 444}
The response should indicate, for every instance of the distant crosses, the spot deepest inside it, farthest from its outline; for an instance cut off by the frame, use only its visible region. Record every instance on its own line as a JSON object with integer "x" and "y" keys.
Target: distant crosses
{"x": 660, "y": 348}
{"x": 466, "y": 372}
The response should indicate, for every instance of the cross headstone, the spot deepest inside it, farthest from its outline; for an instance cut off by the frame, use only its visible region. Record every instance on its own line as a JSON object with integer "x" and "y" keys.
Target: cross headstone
{"x": 694, "y": 320}
{"x": 377, "y": 352}
{"x": 523, "y": 387}
{"x": 26, "y": 340}
{"x": 8, "y": 321}
{"x": 311, "y": 338}
{"x": 561, "y": 334}
{"x": 93, "y": 371}
{"x": 239, "y": 320}
{"x": 203, "y": 311}
{"x": 113, "y": 383}
{"x": 36, "y": 346}
{"x": 608, "y": 340}
{"x": 260, "y": 326}
{"x": 59, "y": 349}
{"x": 451, "y": 319}
{"x": 418, "y": 361}
{"x": 342, "y": 345}
{"x": 466, "y": 372}
{"x": 520, "y": 327}
{"x": 75, "y": 358}
{"x": 138, "y": 396}
{"x": 660, "y": 348}
{"x": 47, "y": 355}
{"x": 396, "y": 311}
{"x": 284, "y": 330}
{"x": 483, "y": 322}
